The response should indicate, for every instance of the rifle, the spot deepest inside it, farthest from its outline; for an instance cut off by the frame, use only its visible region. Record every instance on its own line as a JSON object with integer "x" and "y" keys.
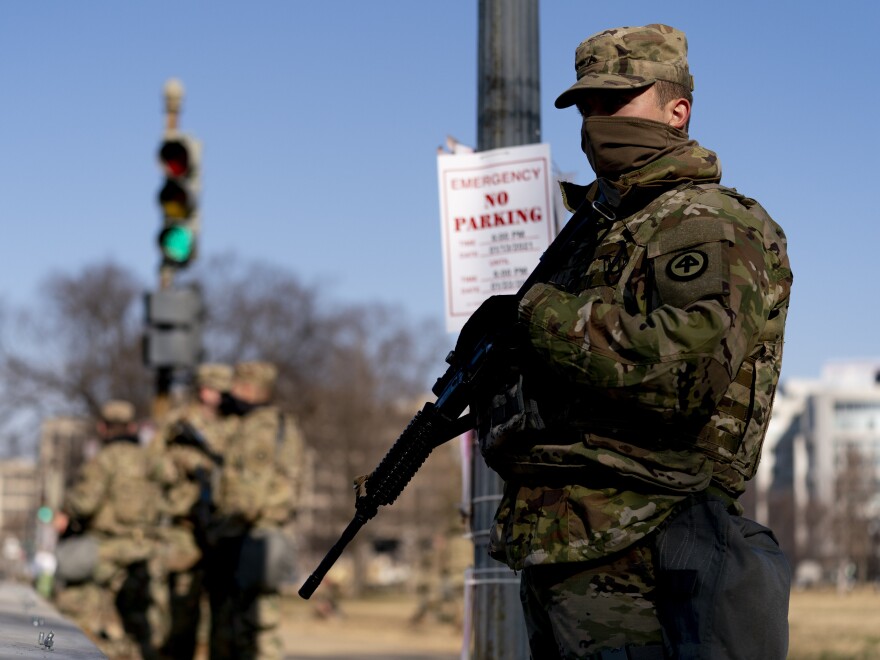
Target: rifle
{"x": 470, "y": 366}
{"x": 184, "y": 433}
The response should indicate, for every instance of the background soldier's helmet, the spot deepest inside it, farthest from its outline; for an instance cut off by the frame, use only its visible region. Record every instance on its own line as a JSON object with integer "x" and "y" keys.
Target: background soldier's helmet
{"x": 117, "y": 411}
{"x": 215, "y": 376}
{"x": 262, "y": 374}
{"x": 629, "y": 58}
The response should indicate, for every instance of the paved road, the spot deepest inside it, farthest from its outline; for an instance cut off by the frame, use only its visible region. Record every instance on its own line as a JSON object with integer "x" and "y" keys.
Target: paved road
{"x": 367, "y": 630}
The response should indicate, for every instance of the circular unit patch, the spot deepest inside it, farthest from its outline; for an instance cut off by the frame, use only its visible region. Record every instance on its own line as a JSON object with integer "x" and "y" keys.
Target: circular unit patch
{"x": 687, "y": 266}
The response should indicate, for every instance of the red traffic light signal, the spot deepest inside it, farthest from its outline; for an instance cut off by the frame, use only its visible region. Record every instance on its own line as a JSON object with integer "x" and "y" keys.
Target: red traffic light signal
{"x": 174, "y": 157}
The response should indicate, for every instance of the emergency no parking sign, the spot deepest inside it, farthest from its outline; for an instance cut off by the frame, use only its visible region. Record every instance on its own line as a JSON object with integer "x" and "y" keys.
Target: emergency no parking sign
{"x": 496, "y": 219}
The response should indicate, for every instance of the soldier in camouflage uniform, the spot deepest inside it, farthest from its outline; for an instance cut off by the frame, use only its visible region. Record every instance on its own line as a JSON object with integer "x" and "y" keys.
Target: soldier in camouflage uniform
{"x": 256, "y": 505}
{"x": 644, "y": 375}
{"x": 116, "y": 502}
{"x": 192, "y": 440}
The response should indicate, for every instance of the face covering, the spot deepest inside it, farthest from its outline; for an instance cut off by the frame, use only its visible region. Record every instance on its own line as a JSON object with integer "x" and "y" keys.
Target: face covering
{"x": 230, "y": 405}
{"x": 618, "y": 145}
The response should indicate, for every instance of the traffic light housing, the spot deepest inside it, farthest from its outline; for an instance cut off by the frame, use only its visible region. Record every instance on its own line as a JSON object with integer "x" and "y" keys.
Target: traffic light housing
{"x": 174, "y": 328}
{"x": 179, "y": 158}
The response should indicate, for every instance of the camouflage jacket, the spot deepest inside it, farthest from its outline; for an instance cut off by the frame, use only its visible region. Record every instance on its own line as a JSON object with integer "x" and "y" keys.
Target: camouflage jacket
{"x": 187, "y": 464}
{"x": 118, "y": 492}
{"x": 260, "y": 482}
{"x": 650, "y": 365}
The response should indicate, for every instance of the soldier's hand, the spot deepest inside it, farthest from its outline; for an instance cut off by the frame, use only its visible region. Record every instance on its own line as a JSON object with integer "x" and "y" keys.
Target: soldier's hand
{"x": 60, "y": 522}
{"x": 497, "y": 316}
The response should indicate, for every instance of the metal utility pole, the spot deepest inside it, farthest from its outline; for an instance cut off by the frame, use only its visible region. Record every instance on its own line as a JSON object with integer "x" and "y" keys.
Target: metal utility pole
{"x": 174, "y": 314}
{"x": 508, "y": 90}
{"x": 508, "y": 114}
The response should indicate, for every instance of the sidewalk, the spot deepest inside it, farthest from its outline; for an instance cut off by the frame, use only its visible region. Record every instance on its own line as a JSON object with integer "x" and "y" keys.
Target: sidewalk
{"x": 24, "y": 616}
{"x": 369, "y": 629}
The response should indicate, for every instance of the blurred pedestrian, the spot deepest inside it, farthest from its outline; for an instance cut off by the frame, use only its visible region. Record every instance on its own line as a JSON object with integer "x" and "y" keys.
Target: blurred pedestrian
{"x": 259, "y": 489}
{"x": 112, "y": 580}
{"x": 192, "y": 440}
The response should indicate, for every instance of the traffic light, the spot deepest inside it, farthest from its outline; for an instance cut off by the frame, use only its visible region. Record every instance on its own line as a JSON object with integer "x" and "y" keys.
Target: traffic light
{"x": 174, "y": 328}
{"x": 179, "y": 157}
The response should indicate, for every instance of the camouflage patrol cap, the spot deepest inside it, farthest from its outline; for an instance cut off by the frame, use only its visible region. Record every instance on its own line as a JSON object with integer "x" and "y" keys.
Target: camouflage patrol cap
{"x": 215, "y": 376}
{"x": 117, "y": 411}
{"x": 258, "y": 373}
{"x": 629, "y": 58}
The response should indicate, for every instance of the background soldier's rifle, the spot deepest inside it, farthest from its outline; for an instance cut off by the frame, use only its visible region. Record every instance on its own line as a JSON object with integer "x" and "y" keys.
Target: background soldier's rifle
{"x": 472, "y": 364}
{"x": 184, "y": 433}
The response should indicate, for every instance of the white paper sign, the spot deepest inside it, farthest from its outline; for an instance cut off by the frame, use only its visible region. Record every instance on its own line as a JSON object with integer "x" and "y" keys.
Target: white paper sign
{"x": 496, "y": 219}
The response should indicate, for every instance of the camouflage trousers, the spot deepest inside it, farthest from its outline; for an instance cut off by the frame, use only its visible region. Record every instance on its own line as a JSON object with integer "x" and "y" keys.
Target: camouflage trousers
{"x": 706, "y": 584}
{"x": 91, "y": 607}
{"x": 575, "y": 610}
{"x": 245, "y": 624}
{"x": 247, "y": 629}
{"x": 185, "y": 590}
{"x": 124, "y": 614}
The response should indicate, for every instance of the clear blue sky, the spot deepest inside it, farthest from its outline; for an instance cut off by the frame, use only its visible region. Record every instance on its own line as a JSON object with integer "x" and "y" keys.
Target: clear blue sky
{"x": 320, "y": 123}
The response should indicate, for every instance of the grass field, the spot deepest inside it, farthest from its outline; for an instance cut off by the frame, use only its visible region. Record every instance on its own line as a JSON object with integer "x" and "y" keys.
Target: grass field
{"x": 826, "y": 625}
{"x": 373, "y": 627}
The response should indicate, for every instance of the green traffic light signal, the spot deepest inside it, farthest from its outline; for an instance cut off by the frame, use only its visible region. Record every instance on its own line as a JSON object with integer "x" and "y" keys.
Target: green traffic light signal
{"x": 45, "y": 514}
{"x": 177, "y": 244}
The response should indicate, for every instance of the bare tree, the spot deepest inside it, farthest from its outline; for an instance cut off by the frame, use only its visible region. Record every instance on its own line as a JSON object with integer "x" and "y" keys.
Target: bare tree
{"x": 354, "y": 375}
{"x": 82, "y": 343}
{"x": 349, "y": 372}
{"x": 78, "y": 347}
{"x": 854, "y": 490}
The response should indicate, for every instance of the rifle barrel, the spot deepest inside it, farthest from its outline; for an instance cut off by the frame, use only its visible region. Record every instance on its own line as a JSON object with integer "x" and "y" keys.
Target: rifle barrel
{"x": 309, "y": 586}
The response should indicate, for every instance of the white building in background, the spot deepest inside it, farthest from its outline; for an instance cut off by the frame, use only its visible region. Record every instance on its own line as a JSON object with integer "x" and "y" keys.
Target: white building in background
{"x": 816, "y": 429}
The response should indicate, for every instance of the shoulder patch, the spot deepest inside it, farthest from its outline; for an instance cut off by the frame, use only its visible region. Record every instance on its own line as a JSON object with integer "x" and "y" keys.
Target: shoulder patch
{"x": 688, "y": 275}
{"x": 688, "y": 265}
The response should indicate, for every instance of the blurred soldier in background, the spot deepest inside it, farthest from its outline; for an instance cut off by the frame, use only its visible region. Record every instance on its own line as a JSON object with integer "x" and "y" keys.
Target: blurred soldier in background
{"x": 192, "y": 441}
{"x": 444, "y": 560}
{"x": 252, "y": 551}
{"x": 441, "y": 578}
{"x": 108, "y": 556}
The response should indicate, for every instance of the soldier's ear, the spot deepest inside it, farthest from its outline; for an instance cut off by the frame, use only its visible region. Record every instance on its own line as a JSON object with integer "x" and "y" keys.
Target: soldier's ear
{"x": 678, "y": 113}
